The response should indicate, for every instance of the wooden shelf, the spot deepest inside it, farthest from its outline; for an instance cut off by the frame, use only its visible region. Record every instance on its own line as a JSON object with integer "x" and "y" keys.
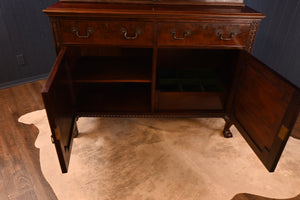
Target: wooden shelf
{"x": 189, "y": 89}
{"x": 132, "y": 98}
{"x": 168, "y": 101}
{"x": 113, "y": 70}
{"x": 188, "y": 80}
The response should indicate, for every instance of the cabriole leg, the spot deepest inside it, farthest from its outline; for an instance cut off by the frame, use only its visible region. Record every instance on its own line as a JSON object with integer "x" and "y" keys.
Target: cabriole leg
{"x": 228, "y": 123}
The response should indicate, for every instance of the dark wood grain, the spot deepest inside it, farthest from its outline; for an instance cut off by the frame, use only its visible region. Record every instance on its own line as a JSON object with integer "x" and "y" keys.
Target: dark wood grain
{"x": 212, "y": 2}
{"x": 107, "y": 32}
{"x": 113, "y": 69}
{"x": 261, "y": 95}
{"x": 265, "y": 109}
{"x": 154, "y": 69}
{"x": 150, "y": 11}
{"x": 114, "y": 98}
{"x": 59, "y": 103}
{"x": 177, "y": 101}
{"x": 234, "y": 34}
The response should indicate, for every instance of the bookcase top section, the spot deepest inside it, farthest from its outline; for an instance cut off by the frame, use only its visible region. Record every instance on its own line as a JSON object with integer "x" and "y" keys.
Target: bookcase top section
{"x": 150, "y": 10}
{"x": 210, "y": 2}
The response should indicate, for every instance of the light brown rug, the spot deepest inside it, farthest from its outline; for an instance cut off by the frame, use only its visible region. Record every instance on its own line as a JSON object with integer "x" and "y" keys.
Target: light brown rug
{"x": 161, "y": 159}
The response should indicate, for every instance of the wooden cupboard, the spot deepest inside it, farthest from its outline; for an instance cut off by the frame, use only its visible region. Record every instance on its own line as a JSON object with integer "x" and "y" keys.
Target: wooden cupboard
{"x": 165, "y": 59}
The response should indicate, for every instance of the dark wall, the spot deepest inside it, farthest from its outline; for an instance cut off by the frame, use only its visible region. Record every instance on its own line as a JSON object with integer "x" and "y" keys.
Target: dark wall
{"x": 24, "y": 30}
{"x": 277, "y": 42}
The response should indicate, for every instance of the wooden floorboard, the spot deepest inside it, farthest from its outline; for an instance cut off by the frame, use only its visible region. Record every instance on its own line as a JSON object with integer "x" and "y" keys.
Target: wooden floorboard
{"x": 21, "y": 176}
{"x": 3, "y": 193}
{"x": 20, "y": 172}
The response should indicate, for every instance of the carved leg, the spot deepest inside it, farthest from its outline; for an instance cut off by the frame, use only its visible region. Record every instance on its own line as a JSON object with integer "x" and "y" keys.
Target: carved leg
{"x": 226, "y": 132}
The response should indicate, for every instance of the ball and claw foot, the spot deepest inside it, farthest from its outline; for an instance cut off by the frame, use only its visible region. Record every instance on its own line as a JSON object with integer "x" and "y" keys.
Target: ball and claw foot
{"x": 75, "y": 131}
{"x": 226, "y": 131}
{"x": 76, "y": 134}
{"x": 227, "y": 134}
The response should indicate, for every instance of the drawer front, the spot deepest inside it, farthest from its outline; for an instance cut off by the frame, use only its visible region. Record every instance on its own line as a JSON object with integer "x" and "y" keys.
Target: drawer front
{"x": 108, "y": 33}
{"x": 203, "y": 34}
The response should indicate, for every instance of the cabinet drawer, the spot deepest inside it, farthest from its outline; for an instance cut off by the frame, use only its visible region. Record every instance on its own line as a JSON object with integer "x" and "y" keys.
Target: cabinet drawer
{"x": 203, "y": 34}
{"x": 108, "y": 33}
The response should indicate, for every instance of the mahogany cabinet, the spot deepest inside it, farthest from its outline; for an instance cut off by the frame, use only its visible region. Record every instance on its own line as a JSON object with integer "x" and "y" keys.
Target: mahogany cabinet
{"x": 165, "y": 59}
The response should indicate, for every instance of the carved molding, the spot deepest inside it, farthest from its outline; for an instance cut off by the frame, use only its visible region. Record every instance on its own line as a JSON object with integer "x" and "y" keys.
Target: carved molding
{"x": 150, "y": 115}
{"x": 252, "y": 35}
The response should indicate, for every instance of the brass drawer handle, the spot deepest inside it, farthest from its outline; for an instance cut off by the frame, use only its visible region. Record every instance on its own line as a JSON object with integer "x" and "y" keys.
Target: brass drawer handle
{"x": 125, "y": 32}
{"x": 89, "y": 32}
{"x": 220, "y": 35}
{"x": 186, "y": 33}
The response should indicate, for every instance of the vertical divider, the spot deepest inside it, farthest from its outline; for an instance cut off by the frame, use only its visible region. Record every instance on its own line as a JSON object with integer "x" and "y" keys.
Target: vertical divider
{"x": 153, "y": 88}
{"x": 154, "y": 66}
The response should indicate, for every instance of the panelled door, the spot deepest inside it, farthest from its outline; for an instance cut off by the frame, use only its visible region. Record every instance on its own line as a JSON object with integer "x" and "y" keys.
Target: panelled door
{"x": 264, "y": 108}
{"x": 58, "y": 100}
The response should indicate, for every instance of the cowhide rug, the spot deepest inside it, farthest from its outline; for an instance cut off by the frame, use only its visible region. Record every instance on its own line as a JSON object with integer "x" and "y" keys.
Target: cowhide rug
{"x": 161, "y": 159}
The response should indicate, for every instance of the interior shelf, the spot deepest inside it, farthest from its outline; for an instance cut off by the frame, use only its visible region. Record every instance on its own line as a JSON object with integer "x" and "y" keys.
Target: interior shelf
{"x": 111, "y": 69}
{"x": 188, "y": 80}
{"x": 169, "y": 101}
{"x": 189, "y": 88}
{"x": 120, "y": 80}
{"x": 132, "y": 98}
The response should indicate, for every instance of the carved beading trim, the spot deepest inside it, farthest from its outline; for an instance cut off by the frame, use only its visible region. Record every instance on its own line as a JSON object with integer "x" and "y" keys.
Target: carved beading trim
{"x": 151, "y": 115}
{"x": 252, "y": 35}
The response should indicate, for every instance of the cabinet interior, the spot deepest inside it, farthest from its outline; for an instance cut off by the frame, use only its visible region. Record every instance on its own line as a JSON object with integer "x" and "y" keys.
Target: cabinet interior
{"x": 140, "y": 80}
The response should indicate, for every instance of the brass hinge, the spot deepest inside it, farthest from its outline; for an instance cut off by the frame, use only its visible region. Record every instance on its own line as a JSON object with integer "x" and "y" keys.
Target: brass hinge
{"x": 283, "y": 133}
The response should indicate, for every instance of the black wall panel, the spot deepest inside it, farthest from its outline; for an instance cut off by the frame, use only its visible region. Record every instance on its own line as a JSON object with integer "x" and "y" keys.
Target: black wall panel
{"x": 24, "y": 30}
{"x": 278, "y": 39}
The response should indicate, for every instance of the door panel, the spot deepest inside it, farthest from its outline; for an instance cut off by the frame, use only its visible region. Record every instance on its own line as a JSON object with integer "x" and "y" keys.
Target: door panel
{"x": 265, "y": 107}
{"x": 58, "y": 100}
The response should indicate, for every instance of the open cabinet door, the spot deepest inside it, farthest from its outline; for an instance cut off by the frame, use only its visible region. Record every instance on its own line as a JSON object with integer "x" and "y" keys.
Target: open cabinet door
{"x": 264, "y": 108}
{"x": 58, "y": 100}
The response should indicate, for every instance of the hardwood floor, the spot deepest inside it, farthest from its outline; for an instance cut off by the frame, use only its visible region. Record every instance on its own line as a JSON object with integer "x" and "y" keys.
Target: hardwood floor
{"x": 20, "y": 173}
